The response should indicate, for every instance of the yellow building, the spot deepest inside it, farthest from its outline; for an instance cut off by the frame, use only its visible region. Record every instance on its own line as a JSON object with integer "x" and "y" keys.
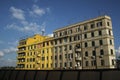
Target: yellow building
{"x": 29, "y": 51}
{"x": 44, "y": 54}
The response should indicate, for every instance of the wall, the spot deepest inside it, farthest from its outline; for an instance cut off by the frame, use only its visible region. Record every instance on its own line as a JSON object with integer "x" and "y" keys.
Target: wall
{"x": 106, "y": 74}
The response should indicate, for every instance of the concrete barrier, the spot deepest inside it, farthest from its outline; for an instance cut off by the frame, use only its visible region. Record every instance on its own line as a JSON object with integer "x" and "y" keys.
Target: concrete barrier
{"x": 103, "y": 74}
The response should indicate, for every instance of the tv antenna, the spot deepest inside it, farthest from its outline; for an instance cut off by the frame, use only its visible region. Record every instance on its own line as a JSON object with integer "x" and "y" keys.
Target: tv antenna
{"x": 43, "y": 29}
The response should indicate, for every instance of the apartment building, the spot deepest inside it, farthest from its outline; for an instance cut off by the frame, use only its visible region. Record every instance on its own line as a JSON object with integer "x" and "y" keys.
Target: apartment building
{"x": 29, "y": 55}
{"x": 44, "y": 54}
{"x": 85, "y": 45}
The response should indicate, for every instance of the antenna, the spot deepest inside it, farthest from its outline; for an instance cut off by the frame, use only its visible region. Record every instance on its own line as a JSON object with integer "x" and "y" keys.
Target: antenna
{"x": 43, "y": 29}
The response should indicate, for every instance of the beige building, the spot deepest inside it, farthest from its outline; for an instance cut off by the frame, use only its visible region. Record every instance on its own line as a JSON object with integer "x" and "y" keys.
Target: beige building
{"x": 85, "y": 45}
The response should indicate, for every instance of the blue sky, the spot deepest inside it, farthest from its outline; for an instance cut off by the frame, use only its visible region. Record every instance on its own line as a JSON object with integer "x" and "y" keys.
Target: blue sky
{"x": 21, "y": 18}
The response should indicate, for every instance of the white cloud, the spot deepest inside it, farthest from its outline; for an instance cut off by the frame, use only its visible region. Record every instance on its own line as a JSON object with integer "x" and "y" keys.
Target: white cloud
{"x": 1, "y": 54}
{"x": 17, "y": 13}
{"x": 50, "y": 35}
{"x": 14, "y": 43}
{"x": 10, "y": 50}
{"x": 117, "y": 52}
{"x": 24, "y": 25}
{"x": 37, "y": 11}
{"x": 28, "y": 28}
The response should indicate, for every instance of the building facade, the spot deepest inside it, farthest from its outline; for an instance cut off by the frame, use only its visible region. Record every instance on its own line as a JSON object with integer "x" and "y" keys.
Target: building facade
{"x": 29, "y": 55}
{"x": 85, "y": 45}
{"x": 44, "y": 54}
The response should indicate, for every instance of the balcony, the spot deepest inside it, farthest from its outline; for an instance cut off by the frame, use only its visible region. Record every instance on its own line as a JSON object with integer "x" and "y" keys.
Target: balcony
{"x": 92, "y": 57}
{"x": 70, "y": 51}
{"x": 38, "y": 55}
{"x": 38, "y": 62}
{"x": 78, "y": 50}
{"x": 77, "y": 58}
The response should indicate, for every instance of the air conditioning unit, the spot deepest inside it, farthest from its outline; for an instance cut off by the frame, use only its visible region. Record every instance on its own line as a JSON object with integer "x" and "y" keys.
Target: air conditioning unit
{"x": 93, "y": 57}
{"x": 100, "y": 56}
{"x": 85, "y": 58}
{"x": 64, "y": 67}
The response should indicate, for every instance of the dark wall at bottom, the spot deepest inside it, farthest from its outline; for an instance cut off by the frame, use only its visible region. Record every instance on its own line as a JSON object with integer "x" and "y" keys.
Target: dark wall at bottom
{"x": 104, "y": 74}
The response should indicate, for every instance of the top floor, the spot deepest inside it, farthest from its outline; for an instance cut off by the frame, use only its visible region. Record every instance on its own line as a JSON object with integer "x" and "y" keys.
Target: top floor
{"x": 32, "y": 40}
{"x": 96, "y": 23}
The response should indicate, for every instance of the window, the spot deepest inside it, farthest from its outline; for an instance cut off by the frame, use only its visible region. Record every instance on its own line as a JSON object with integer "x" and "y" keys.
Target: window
{"x": 101, "y": 52}
{"x": 43, "y": 44}
{"x": 60, "y": 49}
{"x": 75, "y": 38}
{"x": 110, "y": 32}
{"x": 51, "y": 65}
{"x": 78, "y": 29}
{"x": 65, "y": 64}
{"x": 99, "y": 24}
{"x": 93, "y": 63}
{"x": 70, "y": 47}
{"x": 85, "y": 35}
{"x": 43, "y": 51}
{"x": 108, "y": 23}
{"x": 30, "y": 66}
{"x": 33, "y": 59}
{"x": 47, "y": 65}
{"x": 99, "y": 33}
{"x": 65, "y": 39}
{"x": 47, "y": 50}
{"x": 60, "y": 41}
{"x": 47, "y": 43}
{"x": 60, "y": 64}
{"x": 86, "y": 53}
{"x": 60, "y": 57}
{"x": 43, "y": 58}
{"x": 60, "y": 34}
{"x": 42, "y": 65}
{"x": 100, "y": 42}
{"x": 55, "y": 65}
{"x": 55, "y": 49}
{"x": 111, "y": 50}
{"x": 93, "y": 43}
{"x": 70, "y": 64}
{"x": 92, "y": 25}
{"x": 70, "y": 31}
{"x": 93, "y": 52}
{"x": 70, "y": 39}
{"x": 110, "y": 42}
{"x": 65, "y": 32}
{"x": 113, "y": 62}
{"x": 55, "y": 35}
{"x": 55, "y": 57}
{"x": 71, "y": 55}
{"x": 85, "y": 27}
{"x": 55, "y": 42}
{"x": 102, "y": 62}
{"x": 86, "y": 63}
{"x": 65, "y": 55}
{"x": 86, "y": 45}
{"x": 65, "y": 47}
{"x": 92, "y": 34}
{"x": 78, "y": 37}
